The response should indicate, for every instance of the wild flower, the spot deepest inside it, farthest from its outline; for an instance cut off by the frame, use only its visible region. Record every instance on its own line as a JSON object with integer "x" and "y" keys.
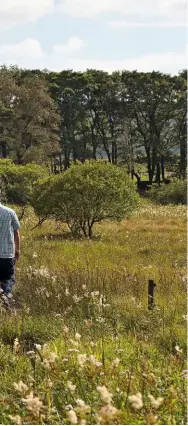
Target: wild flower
{"x": 115, "y": 362}
{"x": 17, "y": 420}
{"x": 107, "y": 415}
{"x": 155, "y": 403}
{"x": 81, "y": 407}
{"x": 76, "y": 298}
{"x": 178, "y": 350}
{"x": 74, "y": 343}
{"x": 38, "y": 347}
{"x": 136, "y": 401}
{"x": 105, "y": 395}
{"x": 84, "y": 287}
{"x": 67, "y": 292}
{"x": 31, "y": 354}
{"x": 73, "y": 351}
{"x": 65, "y": 330}
{"x": 88, "y": 323}
{"x": 52, "y": 357}
{"x": 78, "y": 336}
{"x": 81, "y": 358}
{"x": 33, "y": 404}
{"x": 35, "y": 255}
{"x": 16, "y": 345}
{"x": 70, "y": 386}
{"x": 20, "y": 387}
{"x": 72, "y": 417}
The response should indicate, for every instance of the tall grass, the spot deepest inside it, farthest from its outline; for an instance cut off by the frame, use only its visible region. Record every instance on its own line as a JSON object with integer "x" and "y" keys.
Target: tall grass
{"x": 81, "y": 329}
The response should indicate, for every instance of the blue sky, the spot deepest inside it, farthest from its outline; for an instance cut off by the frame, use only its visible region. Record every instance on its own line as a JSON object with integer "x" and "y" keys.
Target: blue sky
{"x": 102, "y": 34}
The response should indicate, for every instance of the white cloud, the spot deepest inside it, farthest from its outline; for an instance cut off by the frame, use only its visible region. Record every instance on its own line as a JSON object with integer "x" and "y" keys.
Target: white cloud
{"x": 16, "y": 12}
{"x": 168, "y": 10}
{"x": 142, "y": 24}
{"x": 72, "y": 45}
{"x": 27, "y": 49}
{"x": 29, "y": 54}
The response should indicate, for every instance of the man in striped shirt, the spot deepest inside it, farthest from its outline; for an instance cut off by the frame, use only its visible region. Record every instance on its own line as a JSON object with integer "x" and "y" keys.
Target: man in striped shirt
{"x": 9, "y": 250}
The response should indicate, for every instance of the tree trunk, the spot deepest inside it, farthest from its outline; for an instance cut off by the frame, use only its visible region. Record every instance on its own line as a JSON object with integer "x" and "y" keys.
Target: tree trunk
{"x": 158, "y": 173}
{"x": 183, "y": 158}
{"x": 162, "y": 168}
{"x": 3, "y": 149}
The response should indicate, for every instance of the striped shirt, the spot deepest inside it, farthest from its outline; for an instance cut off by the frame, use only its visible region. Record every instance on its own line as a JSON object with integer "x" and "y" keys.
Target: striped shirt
{"x": 9, "y": 223}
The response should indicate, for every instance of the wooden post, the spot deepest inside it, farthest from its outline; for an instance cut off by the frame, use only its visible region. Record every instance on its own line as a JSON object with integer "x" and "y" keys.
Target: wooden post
{"x": 151, "y": 286}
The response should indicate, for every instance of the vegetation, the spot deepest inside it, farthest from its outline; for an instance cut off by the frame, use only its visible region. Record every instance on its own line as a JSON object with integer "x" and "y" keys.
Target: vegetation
{"x": 126, "y": 118}
{"x": 82, "y": 346}
{"x": 174, "y": 193}
{"x": 84, "y": 195}
{"x": 17, "y": 182}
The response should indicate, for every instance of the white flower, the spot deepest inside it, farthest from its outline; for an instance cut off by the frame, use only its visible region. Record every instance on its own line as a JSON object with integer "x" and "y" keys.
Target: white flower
{"x": 98, "y": 364}
{"x": 107, "y": 414}
{"x": 84, "y": 287}
{"x": 74, "y": 343}
{"x": 65, "y": 330}
{"x": 73, "y": 350}
{"x": 33, "y": 404}
{"x": 78, "y": 336}
{"x": 16, "y": 345}
{"x": 38, "y": 347}
{"x": 70, "y": 386}
{"x": 17, "y": 420}
{"x": 105, "y": 395}
{"x": 52, "y": 358}
{"x": 35, "y": 255}
{"x": 81, "y": 358}
{"x": 20, "y": 387}
{"x": 155, "y": 403}
{"x": 136, "y": 401}
{"x": 115, "y": 362}
{"x": 178, "y": 350}
{"x": 72, "y": 417}
{"x": 67, "y": 292}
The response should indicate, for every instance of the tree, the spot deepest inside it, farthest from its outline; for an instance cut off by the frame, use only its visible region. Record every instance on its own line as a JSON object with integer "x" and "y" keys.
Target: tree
{"x": 30, "y": 125}
{"x": 84, "y": 195}
{"x": 150, "y": 99}
{"x": 17, "y": 181}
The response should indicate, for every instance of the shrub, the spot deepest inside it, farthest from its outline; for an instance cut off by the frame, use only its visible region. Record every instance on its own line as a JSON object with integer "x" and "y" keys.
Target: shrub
{"x": 173, "y": 193}
{"x": 17, "y": 181}
{"x": 85, "y": 194}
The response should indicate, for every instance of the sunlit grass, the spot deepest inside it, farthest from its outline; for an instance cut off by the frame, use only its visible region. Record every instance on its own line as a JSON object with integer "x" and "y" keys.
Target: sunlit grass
{"x": 98, "y": 289}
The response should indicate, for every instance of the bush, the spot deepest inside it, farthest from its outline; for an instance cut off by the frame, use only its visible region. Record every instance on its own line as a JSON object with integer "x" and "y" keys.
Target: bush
{"x": 85, "y": 194}
{"x": 17, "y": 181}
{"x": 173, "y": 193}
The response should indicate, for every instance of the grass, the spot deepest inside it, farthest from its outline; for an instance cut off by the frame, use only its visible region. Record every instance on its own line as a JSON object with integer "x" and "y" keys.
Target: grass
{"x": 82, "y": 330}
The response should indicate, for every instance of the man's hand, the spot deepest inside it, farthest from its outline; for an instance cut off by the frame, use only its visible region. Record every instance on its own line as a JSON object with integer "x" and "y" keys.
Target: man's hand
{"x": 17, "y": 254}
{"x": 17, "y": 244}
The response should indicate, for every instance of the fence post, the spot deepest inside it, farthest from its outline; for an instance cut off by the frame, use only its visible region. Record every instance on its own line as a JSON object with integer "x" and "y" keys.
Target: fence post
{"x": 151, "y": 286}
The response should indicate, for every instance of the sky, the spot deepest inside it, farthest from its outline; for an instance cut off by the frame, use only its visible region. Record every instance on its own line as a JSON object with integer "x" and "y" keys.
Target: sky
{"x": 143, "y": 35}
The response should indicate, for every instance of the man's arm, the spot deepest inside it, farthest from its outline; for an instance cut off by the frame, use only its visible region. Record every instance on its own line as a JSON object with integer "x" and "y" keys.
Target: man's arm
{"x": 17, "y": 244}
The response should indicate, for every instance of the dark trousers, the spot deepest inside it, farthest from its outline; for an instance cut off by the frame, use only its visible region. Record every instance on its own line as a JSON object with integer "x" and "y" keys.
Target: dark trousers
{"x": 7, "y": 277}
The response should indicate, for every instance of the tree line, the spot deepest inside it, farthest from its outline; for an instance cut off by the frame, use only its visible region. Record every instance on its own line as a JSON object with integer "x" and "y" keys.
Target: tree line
{"x": 126, "y": 118}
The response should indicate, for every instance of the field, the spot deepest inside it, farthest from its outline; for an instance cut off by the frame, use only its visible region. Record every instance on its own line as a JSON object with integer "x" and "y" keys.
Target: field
{"x": 81, "y": 346}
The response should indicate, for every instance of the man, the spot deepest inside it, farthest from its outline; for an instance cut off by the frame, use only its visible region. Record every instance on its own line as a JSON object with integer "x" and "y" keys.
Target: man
{"x": 9, "y": 251}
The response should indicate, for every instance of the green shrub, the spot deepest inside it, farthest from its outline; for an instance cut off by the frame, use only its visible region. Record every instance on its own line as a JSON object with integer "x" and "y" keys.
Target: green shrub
{"x": 85, "y": 194}
{"x": 173, "y": 193}
{"x": 16, "y": 181}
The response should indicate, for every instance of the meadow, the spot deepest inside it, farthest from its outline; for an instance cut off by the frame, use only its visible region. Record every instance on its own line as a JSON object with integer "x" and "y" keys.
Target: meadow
{"x": 81, "y": 346}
